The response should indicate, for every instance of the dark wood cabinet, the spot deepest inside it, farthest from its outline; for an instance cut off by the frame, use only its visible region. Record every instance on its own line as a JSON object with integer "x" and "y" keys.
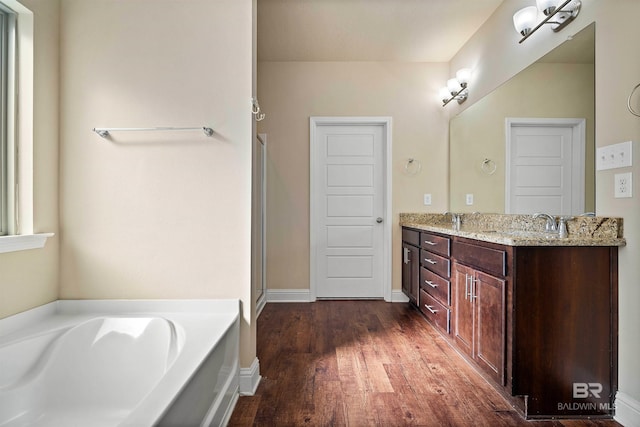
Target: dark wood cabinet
{"x": 462, "y": 309}
{"x": 410, "y": 271}
{"x": 564, "y": 348}
{"x": 410, "y": 264}
{"x": 540, "y": 322}
{"x": 480, "y": 317}
{"x": 435, "y": 276}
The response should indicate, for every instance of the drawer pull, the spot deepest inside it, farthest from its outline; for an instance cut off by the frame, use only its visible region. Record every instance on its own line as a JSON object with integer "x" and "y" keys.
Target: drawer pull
{"x": 427, "y": 242}
{"x": 430, "y": 283}
{"x": 430, "y": 261}
{"x": 428, "y": 307}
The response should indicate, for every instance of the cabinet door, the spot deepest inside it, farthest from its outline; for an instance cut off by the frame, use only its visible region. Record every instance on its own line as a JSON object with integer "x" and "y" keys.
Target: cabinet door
{"x": 410, "y": 271}
{"x": 462, "y": 307}
{"x": 490, "y": 316}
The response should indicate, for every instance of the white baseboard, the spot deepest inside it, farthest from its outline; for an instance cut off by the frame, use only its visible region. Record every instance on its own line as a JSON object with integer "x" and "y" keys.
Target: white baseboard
{"x": 288, "y": 295}
{"x": 250, "y": 378}
{"x": 627, "y": 410}
{"x": 262, "y": 301}
{"x": 304, "y": 295}
{"x": 398, "y": 296}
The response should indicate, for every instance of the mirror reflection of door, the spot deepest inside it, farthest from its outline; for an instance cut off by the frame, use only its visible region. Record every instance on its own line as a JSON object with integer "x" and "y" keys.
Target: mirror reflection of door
{"x": 545, "y": 166}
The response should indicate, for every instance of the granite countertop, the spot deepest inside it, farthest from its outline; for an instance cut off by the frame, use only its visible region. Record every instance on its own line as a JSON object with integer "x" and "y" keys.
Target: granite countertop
{"x": 521, "y": 230}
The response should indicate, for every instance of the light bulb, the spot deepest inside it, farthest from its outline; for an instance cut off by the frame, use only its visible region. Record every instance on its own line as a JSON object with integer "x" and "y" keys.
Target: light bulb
{"x": 547, "y": 6}
{"x": 525, "y": 19}
{"x": 454, "y": 86}
{"x": 444, "y": 94}
{"x": 463, "y": 76}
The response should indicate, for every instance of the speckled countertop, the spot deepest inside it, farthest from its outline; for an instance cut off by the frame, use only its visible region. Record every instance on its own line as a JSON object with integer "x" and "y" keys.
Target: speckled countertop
{"x": 521, "y": 230}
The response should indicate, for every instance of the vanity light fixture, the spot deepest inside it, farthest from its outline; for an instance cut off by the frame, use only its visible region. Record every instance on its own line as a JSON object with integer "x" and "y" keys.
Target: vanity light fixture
{"x": 564, "y": 12}
{"x": 457, "y": 88}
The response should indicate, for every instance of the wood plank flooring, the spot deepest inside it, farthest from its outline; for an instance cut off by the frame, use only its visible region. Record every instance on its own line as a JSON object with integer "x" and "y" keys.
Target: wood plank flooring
{"x": 367, "y": 363}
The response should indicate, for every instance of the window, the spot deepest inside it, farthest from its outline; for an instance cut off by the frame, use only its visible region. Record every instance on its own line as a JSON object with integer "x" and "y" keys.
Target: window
{"x": 16, "y": 129}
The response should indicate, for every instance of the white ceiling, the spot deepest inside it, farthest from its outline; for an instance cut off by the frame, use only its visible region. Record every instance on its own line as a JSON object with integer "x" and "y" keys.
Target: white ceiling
{"x": 368, "y": 30}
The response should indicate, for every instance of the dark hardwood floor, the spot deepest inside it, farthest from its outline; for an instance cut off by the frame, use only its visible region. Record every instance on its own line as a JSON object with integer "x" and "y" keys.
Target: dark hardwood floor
{"x": 367, "y": 363}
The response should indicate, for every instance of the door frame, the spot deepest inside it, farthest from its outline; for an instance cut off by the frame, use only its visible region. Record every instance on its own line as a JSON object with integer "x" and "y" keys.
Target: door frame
{"x": 579, "y": 144}
{"x": 314, "y": 123}
{"x": 262, "y": 262}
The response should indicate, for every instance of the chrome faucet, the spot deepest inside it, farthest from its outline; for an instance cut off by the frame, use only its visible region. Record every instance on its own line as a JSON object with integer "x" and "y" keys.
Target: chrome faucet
{"x": 550, "y": 226}
{"x": 456, "y": 219}
{"x": 559, "y": 228}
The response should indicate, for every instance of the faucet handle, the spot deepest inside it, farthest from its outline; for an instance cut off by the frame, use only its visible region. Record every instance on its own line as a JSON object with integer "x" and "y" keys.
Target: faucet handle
{"x": 550, "y": 225}
{"x": 562, "y": 225}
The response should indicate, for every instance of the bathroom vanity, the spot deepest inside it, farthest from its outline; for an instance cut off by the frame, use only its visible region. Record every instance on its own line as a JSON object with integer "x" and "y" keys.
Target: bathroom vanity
{"x": 534, "y": 313}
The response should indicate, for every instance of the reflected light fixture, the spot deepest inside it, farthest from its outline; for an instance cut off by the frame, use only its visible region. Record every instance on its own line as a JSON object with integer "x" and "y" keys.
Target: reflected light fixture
{"x": 457, "y": 88}
{"x": 564, "y": 11}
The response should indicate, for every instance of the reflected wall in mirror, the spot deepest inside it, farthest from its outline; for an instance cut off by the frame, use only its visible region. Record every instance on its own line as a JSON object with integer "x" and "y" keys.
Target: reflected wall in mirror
{"x": 559, "y": 85}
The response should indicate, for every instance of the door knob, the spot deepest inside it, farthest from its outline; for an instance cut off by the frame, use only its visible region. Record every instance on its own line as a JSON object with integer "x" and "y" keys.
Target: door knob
{"x": 379, "y": 220}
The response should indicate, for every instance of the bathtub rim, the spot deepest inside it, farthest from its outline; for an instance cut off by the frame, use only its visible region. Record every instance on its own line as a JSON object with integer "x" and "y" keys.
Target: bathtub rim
{"x": 188, "y": 313}
{"x": 30, "y": 317}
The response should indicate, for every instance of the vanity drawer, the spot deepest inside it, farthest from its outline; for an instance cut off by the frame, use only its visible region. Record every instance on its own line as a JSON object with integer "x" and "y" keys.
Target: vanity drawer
{"x": 435, "y": 285}
{"x": 435, "y": 263}
{"x": 433, "y": 243}
{"x": 411, "y": 236}
{"x": 493, "y": 261}
{"x": 438, "y": 314}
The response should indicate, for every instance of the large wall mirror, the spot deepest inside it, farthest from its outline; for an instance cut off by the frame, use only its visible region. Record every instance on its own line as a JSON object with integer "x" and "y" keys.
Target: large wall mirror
{"x": 507, "y": 149}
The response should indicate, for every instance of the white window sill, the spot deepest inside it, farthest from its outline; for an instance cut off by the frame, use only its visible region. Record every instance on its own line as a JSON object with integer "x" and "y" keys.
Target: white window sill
{"x": 23, "y": 242}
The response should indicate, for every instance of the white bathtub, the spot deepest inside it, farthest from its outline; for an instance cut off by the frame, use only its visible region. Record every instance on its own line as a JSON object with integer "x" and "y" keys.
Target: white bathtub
{"x": 120, "y": 363}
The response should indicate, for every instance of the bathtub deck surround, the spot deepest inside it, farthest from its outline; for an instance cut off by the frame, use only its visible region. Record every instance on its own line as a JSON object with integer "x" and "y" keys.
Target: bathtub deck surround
{"x": 533, "y": 311}
{"x": 120, "y": 362}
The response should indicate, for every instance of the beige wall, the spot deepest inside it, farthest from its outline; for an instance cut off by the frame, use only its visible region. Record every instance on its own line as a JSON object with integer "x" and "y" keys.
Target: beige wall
{"x": 495, "y": 54}
{"x": 541, "y": 90}
{"x": 617, "y": 72}
{"x": 291, "y": 92}
{"x": 30, "y": 278}
{"x": 161, "y": 214}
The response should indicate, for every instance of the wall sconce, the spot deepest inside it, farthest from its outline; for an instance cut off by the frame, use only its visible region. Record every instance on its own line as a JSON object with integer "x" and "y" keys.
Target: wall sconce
{"x": 564, "y": 11}
{"x": 456, "y": 88}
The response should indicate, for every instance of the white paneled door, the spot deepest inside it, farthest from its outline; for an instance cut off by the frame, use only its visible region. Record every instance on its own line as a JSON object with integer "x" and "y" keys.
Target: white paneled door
{"x": 545, "y": 166}
{"x": 349, "y": 210}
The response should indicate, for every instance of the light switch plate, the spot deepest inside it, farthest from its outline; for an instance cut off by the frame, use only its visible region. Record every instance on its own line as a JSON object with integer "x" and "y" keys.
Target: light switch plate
{"x": 614, "y": 156}
{"x": 623, "y": 185}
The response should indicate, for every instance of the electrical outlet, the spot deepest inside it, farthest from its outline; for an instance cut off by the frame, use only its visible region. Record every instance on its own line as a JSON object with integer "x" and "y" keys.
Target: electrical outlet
{"x": 469, "y": 199}
{"x": 622, "y": 183}
{"x": 427, "y": 199}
